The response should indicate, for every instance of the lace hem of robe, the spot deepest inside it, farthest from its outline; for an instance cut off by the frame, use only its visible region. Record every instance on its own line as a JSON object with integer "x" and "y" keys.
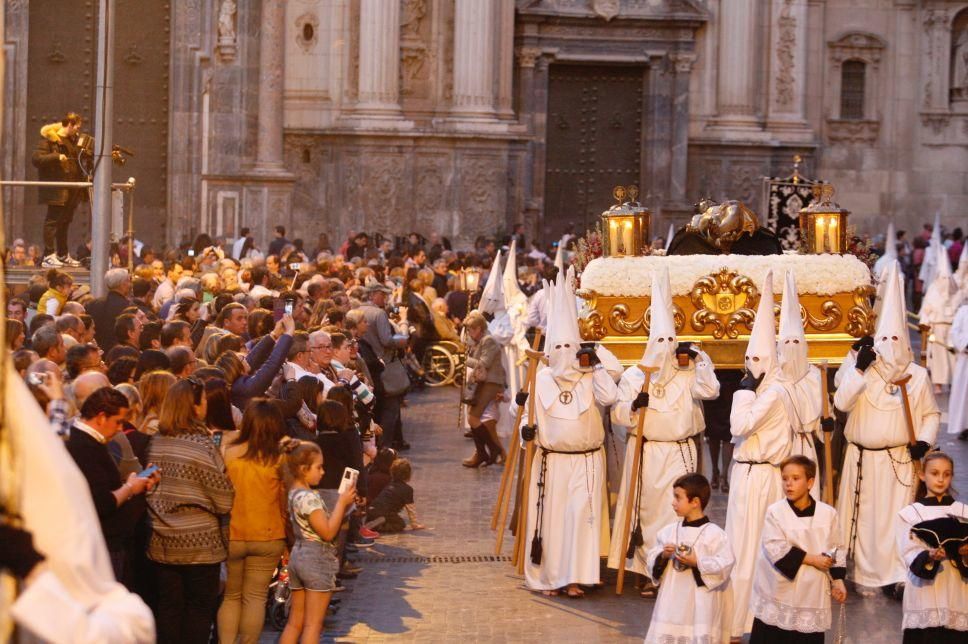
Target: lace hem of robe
{"x": 790, "y": 618}
{"x": 935, "y": 617}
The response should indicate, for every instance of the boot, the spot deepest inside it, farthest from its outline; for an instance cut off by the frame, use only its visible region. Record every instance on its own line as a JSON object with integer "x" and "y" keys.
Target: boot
{"x": 493, "y": 441}
{"x": 480, "y": 455}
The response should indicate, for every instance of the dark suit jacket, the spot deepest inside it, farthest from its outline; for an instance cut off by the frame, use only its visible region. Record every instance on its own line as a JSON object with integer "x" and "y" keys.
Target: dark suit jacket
{"x": 97, "y": 466}
{"x": 105, "y": 310}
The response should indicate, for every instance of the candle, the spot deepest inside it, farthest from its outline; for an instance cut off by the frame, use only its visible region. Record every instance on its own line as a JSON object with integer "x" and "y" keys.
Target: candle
{"x": 613, "y": 248}
{"x": 833, "y": 239}
{"x": 627, "y": 238}
{"x": 818, "y": 235}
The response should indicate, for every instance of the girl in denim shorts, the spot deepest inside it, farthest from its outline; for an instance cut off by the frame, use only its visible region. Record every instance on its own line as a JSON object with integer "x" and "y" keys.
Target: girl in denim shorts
{"x": 313, "y": 563}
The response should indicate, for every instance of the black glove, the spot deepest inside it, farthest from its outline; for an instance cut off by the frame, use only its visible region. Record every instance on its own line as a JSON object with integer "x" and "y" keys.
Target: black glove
{"x": 592, "y": 356}
{"x": 685, "y": 347}
{"x": 17, "y": 552}
{"x": 749, "y": 383}
{"x": 861, "y": 342}
{"x": 865, "y": 356}
{"x": 918, "y": 450}
{"x": 828, "y": 425}
{"x": 528, "y": 432}
{"x": 520, "y": 398}
{"x": 641, "y": 400}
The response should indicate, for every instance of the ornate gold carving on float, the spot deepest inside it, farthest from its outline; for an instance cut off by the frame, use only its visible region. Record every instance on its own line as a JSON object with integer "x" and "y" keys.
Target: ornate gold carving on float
{"x": 724, "y": 223}
{"x": 860, "y": 317}
{"x": 724, "y": 300}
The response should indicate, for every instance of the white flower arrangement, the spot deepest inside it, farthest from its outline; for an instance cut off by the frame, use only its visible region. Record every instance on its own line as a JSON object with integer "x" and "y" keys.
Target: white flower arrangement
{"x": 815, "y": 274}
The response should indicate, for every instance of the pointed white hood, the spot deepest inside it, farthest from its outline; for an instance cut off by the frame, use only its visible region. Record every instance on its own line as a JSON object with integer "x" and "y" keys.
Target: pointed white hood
{"x": 492, "y": 297}
{"x": 560, "y": 257}
{"x": 660, "y": 350}
{"x": 509, "y": 279}
{"x": 564, "y": 338}
{"x": 881, "y": 285}
{"x": 791, "y": 347}
{"x": 891, "y": 341}
{"x": 761, "y": 350}
{"x": 961, "y": 275}
{"x": 670, "y": 235}
{"x": 890, "y": 251}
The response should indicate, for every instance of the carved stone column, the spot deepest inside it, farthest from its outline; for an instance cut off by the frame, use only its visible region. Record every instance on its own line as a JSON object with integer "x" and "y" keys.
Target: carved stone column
{"x": 474, "y": 42}
{"x": 272, "y": 60}
{"x": 737, "y": 90}
{"x": 379, "y": 75}
{"x": 681, "y": 67}
{"x": 788, "y": 76}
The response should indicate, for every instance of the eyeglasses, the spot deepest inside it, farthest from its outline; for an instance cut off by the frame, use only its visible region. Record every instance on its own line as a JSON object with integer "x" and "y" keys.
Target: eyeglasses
{"x": 322, "y": 346}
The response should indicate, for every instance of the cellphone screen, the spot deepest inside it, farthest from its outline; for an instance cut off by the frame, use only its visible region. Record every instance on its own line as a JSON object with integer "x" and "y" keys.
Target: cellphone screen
{"x": 288, "y": 307}
{"x": 191, "y": 252}
{"x": 278, "y": 310}
{"x": 145, "y": 473}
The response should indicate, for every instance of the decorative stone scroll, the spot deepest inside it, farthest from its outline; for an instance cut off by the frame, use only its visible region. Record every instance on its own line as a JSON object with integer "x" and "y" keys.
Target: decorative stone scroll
{"x": 227, "y": 46}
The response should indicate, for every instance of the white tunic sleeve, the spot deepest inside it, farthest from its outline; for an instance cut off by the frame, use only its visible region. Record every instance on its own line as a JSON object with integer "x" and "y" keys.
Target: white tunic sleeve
{"x": 926, "y": 414}
{"x": 959, "y": 329}
{"x": 715, "y": 559}
{"x": 705, "y": 386}
{"x": 662, "y": 538}
{"x": 606, "y": 392}
{"x": 748, "y": 411}
{"x": 849, "y": 390}
{"x": 849, "y": 364}
{"x": 908, "y": 547}
{"x": 775, "y": 543}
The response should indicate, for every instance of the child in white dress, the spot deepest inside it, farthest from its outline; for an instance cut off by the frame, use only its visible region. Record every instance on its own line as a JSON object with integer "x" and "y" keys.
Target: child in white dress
{"x": 936, "y": 592}
{"x": 693, "y": 605}
{"x": 800, "y": 564}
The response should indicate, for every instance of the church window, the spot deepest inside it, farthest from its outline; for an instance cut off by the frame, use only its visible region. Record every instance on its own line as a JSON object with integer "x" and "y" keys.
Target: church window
{"x": 852, "y": 80}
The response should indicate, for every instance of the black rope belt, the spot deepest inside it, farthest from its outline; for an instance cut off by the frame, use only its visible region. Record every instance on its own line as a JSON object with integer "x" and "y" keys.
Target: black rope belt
{"x": 752, "y": 463}
{"x": 545, "y": 450}
{"x": 852, "y": 540}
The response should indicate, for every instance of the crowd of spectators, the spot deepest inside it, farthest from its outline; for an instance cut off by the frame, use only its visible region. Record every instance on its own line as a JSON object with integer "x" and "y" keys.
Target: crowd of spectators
{"x": 183, "y": 392}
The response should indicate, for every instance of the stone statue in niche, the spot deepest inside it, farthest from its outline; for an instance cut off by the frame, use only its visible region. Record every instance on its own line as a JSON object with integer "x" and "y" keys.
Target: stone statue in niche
{"x": 959, "y": 65}
{"x": 226, "y": 30}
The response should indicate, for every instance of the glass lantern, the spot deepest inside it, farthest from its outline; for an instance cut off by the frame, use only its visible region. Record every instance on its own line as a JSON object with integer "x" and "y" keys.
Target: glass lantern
{"x": 469, "y": 279}
{"x": 625, "y": 226}
{"x": 823, "y": 224}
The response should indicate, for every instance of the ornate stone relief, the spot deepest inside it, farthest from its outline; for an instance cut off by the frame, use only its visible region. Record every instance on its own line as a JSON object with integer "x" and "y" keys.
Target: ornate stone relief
{"x": 868, "y": 49}
{"x": 307, "y": 31}
{"x": 853, "y": 131}
{"x": 482, "y": 181}
{"x": 785, "y": 58}
{"x": 383, "y": 191}
{"x": 528, "y": 56}
{"x": 227, "y": 47}
{"x": 606, "y": 9}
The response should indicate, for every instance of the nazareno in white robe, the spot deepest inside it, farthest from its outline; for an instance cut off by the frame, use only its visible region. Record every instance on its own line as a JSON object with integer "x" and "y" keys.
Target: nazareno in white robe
{"x": 876, "y": 423}
{"x": 937, "y": 598}
{"x": 800, "y": 603}
{"x": 938, "y": 311}
{"x": 686, "y": 612}
{"x": 574, "y": 525}
{"x": 761, "y": 423}
{"x": 807, "y": 397}
{"x": 958, "y": 397}
{"x": 667, "y": 453}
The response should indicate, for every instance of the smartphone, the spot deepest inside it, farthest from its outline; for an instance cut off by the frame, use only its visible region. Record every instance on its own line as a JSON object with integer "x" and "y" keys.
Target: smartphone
{"x": 37, "y": 378}
{"x": 191, "y": 252}
{"x": 349, "y": 479}
{"x": 295, "y": 266}
{"x": 683, "y": 359}
{"x": 278, "y": 309}
{"x": 288, "y": 307}
{"x": 148, "y": 471}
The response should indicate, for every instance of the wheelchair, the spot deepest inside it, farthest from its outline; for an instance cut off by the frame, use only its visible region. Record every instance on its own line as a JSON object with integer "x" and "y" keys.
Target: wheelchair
{"x": 443, "y": 363}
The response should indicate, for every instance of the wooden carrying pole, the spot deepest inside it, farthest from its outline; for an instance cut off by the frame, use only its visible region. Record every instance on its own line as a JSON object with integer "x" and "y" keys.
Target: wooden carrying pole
{"x": 828, "y": 452}
{"x": 520, "y": 538}
{"x": 912, "y": 437}
{"x": 514, "y": 448}
{"x": 632, "y": 489}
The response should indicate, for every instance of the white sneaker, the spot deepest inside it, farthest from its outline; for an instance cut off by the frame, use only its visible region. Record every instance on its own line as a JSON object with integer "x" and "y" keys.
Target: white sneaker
{"x": 51, "y": 261}
{"x": 67, "y": 260}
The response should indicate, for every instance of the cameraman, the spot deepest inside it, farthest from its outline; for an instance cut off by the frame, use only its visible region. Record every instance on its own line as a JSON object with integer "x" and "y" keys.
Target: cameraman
{"x": 56, "y": 159}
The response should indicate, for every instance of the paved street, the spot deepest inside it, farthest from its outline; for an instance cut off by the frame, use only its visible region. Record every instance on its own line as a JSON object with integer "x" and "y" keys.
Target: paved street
{"x": 446, "y": 585}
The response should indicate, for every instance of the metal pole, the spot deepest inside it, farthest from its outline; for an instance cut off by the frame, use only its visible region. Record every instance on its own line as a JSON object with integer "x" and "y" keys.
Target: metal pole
{"x": 130, "y": 192}
{"x": 103, "y": 135}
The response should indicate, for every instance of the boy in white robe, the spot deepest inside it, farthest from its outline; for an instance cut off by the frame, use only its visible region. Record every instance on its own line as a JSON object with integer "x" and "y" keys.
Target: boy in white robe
{"x": 691, "y": 562}
{"x": 673, "y": 415}
{"x": 878, "y": 472}
{"x": 801, "y": 545}
{"x": 958, "y": 396}
{"x": 565, "y": 531}
{"x": 936, "y": 593}
{"x": 802, "y": 379}
{"x": 761, "y": 422}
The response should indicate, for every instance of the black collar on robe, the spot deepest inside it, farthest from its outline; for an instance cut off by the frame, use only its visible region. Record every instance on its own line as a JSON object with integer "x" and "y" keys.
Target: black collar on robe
{"x": 695, "y": 524}
{"x": 805, "y": 512}
{"x": 932, "y": 500}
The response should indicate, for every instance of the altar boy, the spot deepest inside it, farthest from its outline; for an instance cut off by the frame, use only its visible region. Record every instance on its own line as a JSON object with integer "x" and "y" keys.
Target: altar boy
{"x": 691, "y": 562}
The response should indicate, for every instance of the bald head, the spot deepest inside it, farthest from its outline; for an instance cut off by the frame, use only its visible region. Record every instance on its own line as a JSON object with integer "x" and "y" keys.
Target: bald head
{"x": 86, "y": 384}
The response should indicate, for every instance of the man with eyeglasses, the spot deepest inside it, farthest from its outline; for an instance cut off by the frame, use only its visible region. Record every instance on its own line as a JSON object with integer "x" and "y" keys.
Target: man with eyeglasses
{"x": 301, "y": 354}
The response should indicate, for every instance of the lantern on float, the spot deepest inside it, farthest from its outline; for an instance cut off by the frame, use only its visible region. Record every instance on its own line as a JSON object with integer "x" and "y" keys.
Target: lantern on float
{"x": 469, "y": 279}
{"x": 823, "y": 224}
{"x": 625, "y": 226}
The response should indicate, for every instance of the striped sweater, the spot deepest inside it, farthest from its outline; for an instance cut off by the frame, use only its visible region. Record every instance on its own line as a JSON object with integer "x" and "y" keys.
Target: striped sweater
{"x": 189, "y": 508}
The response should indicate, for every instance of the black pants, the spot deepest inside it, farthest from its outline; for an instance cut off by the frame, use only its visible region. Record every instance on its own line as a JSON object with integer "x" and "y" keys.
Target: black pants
{"x": 764, "y": 633}
{"x": 388, "y": 417}
{"x": 56, "y": 223}
{"x": 187, "y": 598}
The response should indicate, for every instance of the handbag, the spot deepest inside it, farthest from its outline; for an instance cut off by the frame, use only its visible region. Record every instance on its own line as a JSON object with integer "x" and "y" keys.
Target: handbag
{"x": 468, "y": 392}
{"x": 394, "y": 378}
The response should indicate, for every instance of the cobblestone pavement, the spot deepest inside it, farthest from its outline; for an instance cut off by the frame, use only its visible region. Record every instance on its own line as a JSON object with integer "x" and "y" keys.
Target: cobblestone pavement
{"x": 446, "y": 585}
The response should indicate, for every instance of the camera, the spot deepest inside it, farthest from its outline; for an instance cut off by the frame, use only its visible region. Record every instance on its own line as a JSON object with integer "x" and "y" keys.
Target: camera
{"x": 37, "y": 378}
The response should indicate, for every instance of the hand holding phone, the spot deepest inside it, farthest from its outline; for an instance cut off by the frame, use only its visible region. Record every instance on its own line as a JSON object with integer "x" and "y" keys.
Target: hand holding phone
{"x": 147, "y": 472}
{"x": 348, "y": 481}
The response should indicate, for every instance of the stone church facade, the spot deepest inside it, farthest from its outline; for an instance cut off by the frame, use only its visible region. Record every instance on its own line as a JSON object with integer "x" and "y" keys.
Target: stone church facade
{"x": 464, "y": 117}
